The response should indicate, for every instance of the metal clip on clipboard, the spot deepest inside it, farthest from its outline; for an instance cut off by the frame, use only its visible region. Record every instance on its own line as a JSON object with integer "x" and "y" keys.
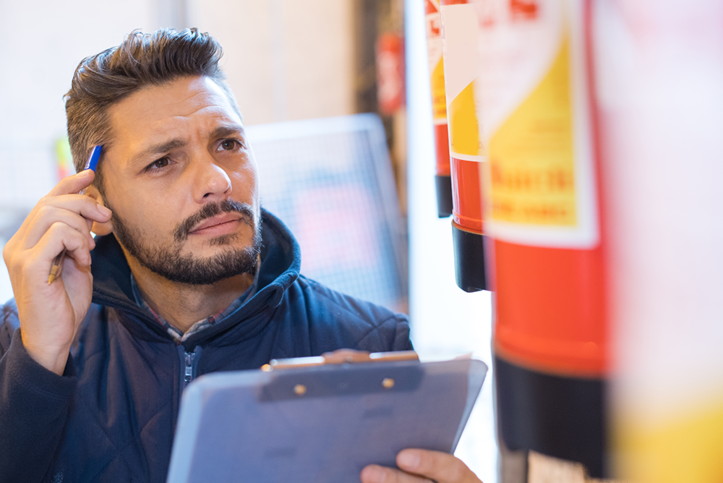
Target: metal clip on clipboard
{"x": 341, "y": 356}
{"x": 320, "y": 419}
{"x": 335, "y": 382}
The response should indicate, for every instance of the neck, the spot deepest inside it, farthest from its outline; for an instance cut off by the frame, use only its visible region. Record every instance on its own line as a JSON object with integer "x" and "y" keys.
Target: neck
{"x": 182, "y": 305}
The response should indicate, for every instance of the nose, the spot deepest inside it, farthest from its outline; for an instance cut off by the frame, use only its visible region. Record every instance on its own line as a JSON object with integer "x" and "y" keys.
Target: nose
{"x": 212, "y": 183}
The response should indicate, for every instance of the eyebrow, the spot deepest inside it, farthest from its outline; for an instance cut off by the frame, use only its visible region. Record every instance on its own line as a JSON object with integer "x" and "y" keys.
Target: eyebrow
{"x": 158, "y": 149}
{"x": 164, "y": 147}
{"x": 228, "y": 130}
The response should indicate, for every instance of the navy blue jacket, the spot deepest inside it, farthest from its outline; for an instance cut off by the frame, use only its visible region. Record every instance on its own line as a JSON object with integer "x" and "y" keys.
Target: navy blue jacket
{"x": 112, "y": 415}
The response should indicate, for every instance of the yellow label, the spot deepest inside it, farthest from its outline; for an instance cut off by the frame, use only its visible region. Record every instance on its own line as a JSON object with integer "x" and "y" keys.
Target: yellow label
{"x": 463, "y": 128}
{"x": 532, "y": 164}
{"x": 688, "y": 449}
{"x": 439, "y": 101}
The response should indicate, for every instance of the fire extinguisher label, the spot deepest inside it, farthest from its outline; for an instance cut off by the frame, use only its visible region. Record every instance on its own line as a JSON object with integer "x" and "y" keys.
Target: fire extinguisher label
{"x": 436, "y": 64}
{"x": 460, "y": 32}
{"x": 534, "y": 115}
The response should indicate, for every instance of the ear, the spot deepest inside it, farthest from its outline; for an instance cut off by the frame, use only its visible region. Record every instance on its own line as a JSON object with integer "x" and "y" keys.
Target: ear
{"x": 99, "y": 228}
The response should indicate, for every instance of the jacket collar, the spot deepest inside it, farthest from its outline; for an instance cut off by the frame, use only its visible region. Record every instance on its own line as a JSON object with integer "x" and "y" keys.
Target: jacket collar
{"x": 280, "y": 265}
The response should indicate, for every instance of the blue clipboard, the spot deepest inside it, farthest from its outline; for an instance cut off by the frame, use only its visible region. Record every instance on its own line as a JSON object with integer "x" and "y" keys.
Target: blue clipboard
{"x": 320, "y": 419}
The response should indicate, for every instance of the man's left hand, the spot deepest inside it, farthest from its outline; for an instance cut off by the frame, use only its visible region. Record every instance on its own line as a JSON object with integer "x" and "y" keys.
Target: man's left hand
{"x": 417, "y": 466}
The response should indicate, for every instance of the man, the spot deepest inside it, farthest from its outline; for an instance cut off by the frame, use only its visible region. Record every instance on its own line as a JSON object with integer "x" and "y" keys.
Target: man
{"x": 195, "y": 278}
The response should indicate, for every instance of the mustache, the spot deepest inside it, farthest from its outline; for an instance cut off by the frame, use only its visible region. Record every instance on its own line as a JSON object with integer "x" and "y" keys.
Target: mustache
{"x": 182, "y": 230}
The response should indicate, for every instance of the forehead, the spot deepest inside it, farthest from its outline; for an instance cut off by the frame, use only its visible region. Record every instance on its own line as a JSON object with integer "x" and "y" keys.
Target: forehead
{"x": 181, "y": 107}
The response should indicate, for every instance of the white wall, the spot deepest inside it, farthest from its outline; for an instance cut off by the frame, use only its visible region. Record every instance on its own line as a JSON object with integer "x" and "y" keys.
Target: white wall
{"x": 285, "y": 59}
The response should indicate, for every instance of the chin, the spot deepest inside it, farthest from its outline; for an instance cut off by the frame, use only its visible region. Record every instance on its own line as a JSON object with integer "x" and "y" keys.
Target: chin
{"x": 231, "y": 239}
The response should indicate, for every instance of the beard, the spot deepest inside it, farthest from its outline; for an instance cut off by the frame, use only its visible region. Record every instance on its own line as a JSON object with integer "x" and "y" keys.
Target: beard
{"x": 168, "y": 262}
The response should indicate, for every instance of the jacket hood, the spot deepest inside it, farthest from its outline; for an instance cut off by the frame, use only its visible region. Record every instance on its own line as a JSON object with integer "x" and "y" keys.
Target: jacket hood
{"x": 280, "y": 265}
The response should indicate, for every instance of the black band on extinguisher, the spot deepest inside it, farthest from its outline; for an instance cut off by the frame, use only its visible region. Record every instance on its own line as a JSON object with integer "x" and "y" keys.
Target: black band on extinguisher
{"x": 558, "y": 416}
{"x": 444, "y": 195}
{"x": 469, "y": 260}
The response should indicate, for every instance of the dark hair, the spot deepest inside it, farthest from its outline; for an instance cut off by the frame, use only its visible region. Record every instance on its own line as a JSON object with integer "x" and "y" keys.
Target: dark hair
{"x": 141, "y": 60}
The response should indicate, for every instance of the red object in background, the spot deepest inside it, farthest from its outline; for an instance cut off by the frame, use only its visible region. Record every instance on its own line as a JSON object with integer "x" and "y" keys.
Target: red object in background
{"x": 441, "y": 139}
{"x": 467, "y": 195}
{"x": 465, "y": 162}
{"x": 443, "y": 174}
{"x": 551, "y": 309}
{"x": 524, "y": 9}
{"x": 550, "y": 302}
{"x": 550, "y": 341}
{"x": 390, "y": 73}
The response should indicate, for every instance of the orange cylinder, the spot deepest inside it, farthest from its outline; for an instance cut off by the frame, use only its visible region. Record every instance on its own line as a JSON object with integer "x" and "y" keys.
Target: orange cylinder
{"x": 443, "y": 180}
{"x": 551, "y": 309}
{"x": 466, "y": 151}
{"x": 542, "y": 209}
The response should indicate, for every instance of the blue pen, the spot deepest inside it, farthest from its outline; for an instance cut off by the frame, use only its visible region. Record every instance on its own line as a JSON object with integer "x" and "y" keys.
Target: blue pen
{"x": 57, "y": 266}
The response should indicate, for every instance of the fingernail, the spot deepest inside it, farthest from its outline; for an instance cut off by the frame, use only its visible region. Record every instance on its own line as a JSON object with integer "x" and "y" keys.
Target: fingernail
{"x": 408, "y": 459}
{"x": 103, "y": 210}
{"x": 374, "y": 474}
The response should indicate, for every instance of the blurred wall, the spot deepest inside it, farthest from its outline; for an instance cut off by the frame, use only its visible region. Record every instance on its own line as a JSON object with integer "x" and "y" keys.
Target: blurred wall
{"x": 285, "y": 59}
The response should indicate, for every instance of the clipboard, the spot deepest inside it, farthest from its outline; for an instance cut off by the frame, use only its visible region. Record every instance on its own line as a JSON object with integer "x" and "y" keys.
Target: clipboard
{"x": 320, "y": 419}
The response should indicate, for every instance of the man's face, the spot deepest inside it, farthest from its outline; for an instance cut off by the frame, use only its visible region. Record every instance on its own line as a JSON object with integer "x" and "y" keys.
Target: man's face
{"x": 181, "y": 180}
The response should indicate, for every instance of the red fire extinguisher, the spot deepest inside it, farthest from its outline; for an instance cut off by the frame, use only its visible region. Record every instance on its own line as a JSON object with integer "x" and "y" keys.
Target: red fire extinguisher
{"x": 390, "y": 73}
{"x": 467, "y": 154}
{"x": 542, "y": 208}
{"x": 443, "y": 178}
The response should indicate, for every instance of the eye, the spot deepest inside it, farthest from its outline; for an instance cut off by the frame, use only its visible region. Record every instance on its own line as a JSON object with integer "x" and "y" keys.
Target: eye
{"x": 158, "y": 164}
{"x": 230, "y": 145}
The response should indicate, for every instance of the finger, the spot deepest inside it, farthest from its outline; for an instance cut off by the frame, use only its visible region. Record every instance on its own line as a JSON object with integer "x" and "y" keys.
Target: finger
{"x": 47, "y": 215}
{"x": 73, "y": 184}
{"x": 435, "y": 465}
{"x": 381, "y": 474}
{"x": 65, "y": 194}
{"x": 58, "y": 237}
{"x": 84, "y": 205}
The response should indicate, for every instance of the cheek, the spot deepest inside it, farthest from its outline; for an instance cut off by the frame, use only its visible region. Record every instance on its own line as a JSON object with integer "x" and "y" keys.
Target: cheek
{"x": 245, "y": 185}
{"x": 154, "y": 216}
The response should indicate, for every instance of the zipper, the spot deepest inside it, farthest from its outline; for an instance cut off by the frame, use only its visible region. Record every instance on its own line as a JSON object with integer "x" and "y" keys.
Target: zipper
{"x": 188, "y": 369}
{"x": 189, "y": 365}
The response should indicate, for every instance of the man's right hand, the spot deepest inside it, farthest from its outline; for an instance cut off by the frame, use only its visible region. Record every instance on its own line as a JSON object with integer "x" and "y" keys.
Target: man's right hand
{"x": 51, "y": 313}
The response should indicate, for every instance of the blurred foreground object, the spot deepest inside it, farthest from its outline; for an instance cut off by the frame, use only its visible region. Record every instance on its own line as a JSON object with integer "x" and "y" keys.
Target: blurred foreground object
{"x": 541, "y": 209}
{"x": 660, "y": 91}
{"x": 331, "y": 182}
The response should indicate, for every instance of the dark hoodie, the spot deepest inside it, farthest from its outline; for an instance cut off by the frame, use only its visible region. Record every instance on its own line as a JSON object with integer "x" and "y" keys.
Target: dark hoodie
{"x": 112, "y": 415}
